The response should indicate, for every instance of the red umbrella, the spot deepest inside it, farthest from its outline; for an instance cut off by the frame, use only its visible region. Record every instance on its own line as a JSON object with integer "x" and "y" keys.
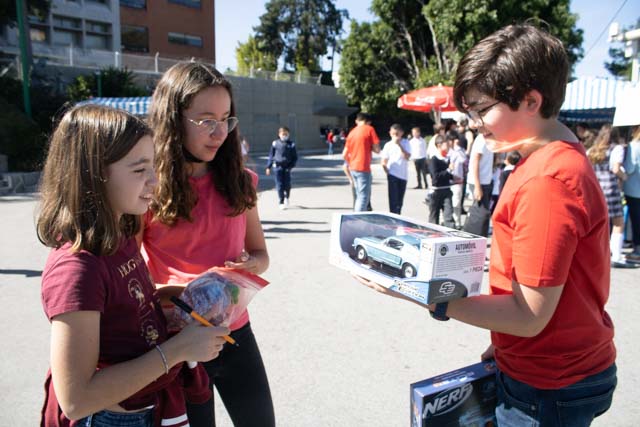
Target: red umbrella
{"x": 425, "y": 99}
{"x": 433, "y": 98}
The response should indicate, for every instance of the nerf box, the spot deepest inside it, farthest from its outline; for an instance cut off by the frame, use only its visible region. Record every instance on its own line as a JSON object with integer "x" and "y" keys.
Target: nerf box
{"x": 426, "y": 262}
{"x": 464, "y": 397}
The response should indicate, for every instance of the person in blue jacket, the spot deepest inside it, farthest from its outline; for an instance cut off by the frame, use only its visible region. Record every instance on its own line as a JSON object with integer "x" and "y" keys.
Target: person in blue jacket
{"x": 282, "y": 157}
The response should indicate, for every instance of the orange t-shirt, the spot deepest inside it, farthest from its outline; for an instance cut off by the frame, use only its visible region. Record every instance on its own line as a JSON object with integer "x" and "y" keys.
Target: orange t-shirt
{"x": 358, "y": 147}
{"x": 177, "y": 254}
{"x": 551, "y": 228}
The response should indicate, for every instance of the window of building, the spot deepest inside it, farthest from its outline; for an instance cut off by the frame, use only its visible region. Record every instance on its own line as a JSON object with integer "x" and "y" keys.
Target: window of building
{"x": 136, "y": 4}
{"x": 103, "y": 2}
{"x": 188, "y": 3}
{"x": 38, "y": 35}
{"x": 98, "y": 27}
{"x": 97, "y": 41}
{"x": 186, "y": 39}
{"x": 66, "y": 38}
{"x": 134, "y": 38}
{"x": 66, "y": 22}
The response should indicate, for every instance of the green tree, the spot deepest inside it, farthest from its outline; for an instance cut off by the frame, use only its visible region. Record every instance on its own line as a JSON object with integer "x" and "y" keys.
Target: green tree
{"x": 425, "y": 40}
{"x": 299, "y": 31}
{"x": 249, "y": 57}
{"x": 39, "y": 8}
{"x": 115, "y": 82}
{"x": 620, "y": 66}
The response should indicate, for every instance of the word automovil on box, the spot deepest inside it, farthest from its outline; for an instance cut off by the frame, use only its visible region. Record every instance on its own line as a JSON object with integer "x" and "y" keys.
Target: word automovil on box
{"x": 426, "y": 262}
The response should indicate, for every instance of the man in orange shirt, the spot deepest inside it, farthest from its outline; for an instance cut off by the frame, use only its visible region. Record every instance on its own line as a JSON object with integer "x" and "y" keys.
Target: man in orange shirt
{"x": 361, "y": 141}
{"x": 550, "y": 266}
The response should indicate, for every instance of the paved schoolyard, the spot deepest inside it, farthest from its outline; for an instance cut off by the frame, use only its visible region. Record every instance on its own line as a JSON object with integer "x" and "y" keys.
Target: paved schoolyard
{"x": 337, "y": 353}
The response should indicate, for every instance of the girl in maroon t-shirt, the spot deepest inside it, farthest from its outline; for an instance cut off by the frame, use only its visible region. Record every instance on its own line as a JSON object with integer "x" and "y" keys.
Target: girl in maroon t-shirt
{"x": 111, "y": 361}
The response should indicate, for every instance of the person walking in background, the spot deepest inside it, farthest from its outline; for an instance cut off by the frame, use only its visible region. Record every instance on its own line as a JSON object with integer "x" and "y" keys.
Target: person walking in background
{"x": 631, "y": 187}
{"x": 459, "y": 166}
{"x": 419, "y": 157}
{"x": 510, "y": 162}
{"x": 394, "y": 156}
{"x": 551, "y": 336}
{"x": 361, "y": 142}
{"x": 330, "y": 136}
{"x": 604, "y": 152}
{"x": 205, "y": 215}
{"x": 112, "y": 361}
{"x": 283, "y": 157}
{"x": 480, "y": 174}
{"x": 440, "y": 169}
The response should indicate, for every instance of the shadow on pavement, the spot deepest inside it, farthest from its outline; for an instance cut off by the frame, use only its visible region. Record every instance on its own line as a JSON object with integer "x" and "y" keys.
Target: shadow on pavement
{"x": 26, "y": 273}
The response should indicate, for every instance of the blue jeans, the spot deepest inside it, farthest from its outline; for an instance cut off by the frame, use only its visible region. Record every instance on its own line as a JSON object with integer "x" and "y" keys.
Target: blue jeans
{"x": 118, "y": 419}
{"x": 576, "y": 405}
{"x": 362, "y": 184}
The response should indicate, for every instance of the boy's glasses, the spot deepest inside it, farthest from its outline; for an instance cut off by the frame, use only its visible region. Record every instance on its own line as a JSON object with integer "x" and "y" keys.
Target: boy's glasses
{"x": 211, "y": 125}
{"x": 477, "y": 116}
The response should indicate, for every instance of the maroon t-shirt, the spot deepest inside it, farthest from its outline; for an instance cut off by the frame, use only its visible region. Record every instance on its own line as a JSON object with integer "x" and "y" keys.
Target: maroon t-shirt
{"x": 131, "y": 321}
{"x": 119, "y": 287}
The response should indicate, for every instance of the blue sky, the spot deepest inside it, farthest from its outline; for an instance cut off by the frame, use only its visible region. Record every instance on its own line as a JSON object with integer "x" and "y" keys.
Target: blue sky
{"x": 235, "y": 21}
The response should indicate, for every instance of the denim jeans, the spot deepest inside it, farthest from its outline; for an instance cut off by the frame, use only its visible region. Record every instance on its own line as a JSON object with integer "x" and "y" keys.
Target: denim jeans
{"x": 576, "y": 405}
{"x": 240, "y": 378}
{"x": 118, "y": 419}
{"x": 396, "y": 190}
{"x": 362, "y": 183}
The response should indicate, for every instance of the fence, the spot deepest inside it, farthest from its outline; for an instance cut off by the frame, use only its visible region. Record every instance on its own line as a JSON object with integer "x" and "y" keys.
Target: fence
{"x": 152, "y": 64}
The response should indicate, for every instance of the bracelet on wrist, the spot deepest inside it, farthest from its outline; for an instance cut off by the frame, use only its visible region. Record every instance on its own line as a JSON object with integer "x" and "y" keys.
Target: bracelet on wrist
{"x": 164, "y": 359}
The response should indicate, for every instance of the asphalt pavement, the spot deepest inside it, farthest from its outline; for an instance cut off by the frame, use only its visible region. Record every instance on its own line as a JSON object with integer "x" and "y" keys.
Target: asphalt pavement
{"x": 336, "y": 352}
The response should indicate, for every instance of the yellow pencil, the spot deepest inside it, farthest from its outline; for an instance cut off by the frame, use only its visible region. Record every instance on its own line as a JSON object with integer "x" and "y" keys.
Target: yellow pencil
{"x": 187, "y": 309}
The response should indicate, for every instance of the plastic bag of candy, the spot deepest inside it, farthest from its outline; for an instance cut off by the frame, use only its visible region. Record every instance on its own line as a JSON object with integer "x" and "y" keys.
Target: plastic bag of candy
{"x": 220, "y": 295}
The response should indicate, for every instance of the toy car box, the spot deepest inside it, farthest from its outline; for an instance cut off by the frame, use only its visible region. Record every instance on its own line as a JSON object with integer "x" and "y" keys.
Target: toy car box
{"x": 426, "y": 262}
{"x": 464, "y": 397}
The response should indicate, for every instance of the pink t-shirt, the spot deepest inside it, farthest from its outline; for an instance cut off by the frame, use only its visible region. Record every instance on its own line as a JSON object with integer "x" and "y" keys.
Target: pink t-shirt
{"x": 177, "y": 254}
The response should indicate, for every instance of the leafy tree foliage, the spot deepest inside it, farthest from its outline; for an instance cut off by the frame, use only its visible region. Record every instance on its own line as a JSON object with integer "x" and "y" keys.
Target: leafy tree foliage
{"x": 115, "y": 82}
{"x": 299, "y": 31}
{"x": 419, "y": 43}
{"x": 619, "y": 65}
{"x": 249, "y": 57}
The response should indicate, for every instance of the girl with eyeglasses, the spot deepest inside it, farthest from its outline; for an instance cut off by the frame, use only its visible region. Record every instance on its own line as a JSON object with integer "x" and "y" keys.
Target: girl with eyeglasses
{"x": 205, "y": 214}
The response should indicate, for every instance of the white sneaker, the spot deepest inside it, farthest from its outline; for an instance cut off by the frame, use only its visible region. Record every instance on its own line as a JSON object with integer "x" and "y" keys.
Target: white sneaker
{"x": 282, "y": 206}
{"x": 286, "y": 202}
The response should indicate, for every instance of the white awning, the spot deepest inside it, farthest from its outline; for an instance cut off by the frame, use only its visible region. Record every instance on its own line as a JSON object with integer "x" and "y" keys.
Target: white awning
{"x": 135, "y": 105}
{"x": 590, "y": 93}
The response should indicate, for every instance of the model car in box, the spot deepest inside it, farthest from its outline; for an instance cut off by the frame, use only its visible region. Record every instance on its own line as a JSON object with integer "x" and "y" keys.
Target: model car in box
{"x": 399, "y": 252}
{"x": 426, "y": 262}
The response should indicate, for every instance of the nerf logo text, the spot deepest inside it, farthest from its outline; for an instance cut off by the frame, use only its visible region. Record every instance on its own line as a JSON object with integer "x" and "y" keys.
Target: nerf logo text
{"x": 447, "y": 401}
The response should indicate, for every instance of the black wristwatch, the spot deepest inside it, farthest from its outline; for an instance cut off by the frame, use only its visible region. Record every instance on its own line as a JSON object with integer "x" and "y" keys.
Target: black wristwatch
{"x": 440, "y": 312}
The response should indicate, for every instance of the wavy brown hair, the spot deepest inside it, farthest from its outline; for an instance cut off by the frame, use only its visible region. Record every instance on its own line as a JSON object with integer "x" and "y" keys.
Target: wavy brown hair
{"x": 598, "y": 152}
{"x": 174, "y": 196}
{"x": 74, "y": 206}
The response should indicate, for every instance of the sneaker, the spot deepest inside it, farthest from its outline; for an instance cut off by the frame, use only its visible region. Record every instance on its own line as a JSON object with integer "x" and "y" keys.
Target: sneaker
{"x": 282, "y": 206}
{"x": 618, "y": 264}
{"x": 286, "y": 202}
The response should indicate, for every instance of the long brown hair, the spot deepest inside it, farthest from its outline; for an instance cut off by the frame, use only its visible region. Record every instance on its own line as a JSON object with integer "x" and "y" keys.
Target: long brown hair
{"x": 598, "y": 152}
{"x": 74, "y": 206}
{"x": 174, "y": 196}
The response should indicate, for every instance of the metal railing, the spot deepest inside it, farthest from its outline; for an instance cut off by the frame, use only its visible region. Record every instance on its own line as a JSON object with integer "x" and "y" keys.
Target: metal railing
{"x": 152, "y": 64}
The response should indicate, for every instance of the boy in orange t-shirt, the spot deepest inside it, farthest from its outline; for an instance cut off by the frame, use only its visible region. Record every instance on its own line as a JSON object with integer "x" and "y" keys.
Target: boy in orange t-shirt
{"x": 361, "y": 142}
{"x": 549, "y": 274}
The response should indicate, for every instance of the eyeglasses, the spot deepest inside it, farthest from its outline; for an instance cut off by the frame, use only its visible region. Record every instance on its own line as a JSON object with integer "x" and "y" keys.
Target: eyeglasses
{"x": 211, "y": 125}
{"x": 477, "y": 116}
